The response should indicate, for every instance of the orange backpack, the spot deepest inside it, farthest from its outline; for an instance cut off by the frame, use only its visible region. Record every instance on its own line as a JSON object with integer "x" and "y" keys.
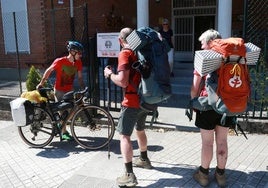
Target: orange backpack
{"x": 233, "y": 75}
{"x": 228, "y": 87}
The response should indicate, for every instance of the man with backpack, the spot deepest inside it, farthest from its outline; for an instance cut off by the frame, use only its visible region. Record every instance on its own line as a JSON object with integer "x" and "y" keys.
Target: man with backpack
{"x": 131, "y": 114}
{"x": 210, "y": 126}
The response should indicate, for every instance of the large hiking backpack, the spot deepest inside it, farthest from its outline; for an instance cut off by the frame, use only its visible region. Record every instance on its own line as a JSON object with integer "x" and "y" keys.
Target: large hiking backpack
{"x": 153, "y": 65}
{"x": 228, "y": 87}
{"x": 233, "y": 81}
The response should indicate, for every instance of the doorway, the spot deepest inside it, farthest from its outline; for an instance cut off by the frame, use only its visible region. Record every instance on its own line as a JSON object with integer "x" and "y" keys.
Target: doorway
{"x": 202, "y": 23}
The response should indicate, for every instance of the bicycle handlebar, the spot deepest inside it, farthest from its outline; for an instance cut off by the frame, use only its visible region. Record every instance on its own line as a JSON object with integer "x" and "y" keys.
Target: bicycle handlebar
{"x": 78, "y": 95}
{"x": 81, "y": 93}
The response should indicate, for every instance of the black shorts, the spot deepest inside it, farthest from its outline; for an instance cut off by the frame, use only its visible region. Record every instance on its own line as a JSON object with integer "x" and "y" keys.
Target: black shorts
{"x": 209, "y": 119}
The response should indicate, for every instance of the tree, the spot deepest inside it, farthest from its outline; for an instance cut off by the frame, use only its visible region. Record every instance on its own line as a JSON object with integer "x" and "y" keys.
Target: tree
{"x": 33, "y": 79}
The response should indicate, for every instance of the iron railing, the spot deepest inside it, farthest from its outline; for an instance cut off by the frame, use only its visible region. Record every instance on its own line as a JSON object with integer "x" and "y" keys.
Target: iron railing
{"x": 256, "y": 31}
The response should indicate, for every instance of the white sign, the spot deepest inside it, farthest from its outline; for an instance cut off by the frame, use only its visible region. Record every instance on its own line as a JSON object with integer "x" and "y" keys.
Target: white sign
{"x": 108, "y": 45}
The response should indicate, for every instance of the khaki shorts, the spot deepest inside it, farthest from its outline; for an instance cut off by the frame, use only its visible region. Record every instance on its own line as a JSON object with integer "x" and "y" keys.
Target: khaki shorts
{"x": 130, "y": 118}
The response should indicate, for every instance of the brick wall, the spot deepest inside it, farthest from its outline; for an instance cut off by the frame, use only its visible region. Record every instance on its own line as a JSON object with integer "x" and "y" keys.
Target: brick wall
{"x": 42, "y": 49}
{"x": 36, "y": 35}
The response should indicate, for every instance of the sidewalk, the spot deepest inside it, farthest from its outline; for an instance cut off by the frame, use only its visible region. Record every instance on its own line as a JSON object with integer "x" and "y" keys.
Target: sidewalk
{"x": 174, "y": 146}
{"x": 174, "y": 149}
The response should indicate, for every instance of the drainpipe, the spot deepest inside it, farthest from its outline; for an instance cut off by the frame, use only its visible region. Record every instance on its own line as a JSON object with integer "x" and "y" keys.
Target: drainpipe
{"x": 245, "y": 19}
{"x": 72, "y": 19}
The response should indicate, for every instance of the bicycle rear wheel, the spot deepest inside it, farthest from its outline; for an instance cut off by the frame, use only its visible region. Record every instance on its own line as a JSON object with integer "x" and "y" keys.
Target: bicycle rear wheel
{"x": 40, "y": 132}
{"x": 92, "y": 127}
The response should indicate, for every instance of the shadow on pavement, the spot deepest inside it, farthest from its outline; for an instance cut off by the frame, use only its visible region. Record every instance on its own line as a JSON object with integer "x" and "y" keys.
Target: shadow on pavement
{"x": 61, "y": 150}
{"x": 235, "y": 178}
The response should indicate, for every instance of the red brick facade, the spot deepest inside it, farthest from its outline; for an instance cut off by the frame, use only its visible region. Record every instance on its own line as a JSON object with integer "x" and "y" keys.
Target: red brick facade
{"x": 41, "y": 32}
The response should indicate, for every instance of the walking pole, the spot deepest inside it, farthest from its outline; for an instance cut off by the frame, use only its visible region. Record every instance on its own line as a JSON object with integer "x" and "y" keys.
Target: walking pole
{"x": 108, "y": 109}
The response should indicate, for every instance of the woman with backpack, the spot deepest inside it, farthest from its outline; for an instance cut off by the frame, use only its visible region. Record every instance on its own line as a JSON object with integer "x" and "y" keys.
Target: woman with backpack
{"x": 210, "y": 126}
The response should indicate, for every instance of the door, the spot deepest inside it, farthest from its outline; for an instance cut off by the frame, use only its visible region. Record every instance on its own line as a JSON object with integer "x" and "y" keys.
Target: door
{"x": 202, "y": 23}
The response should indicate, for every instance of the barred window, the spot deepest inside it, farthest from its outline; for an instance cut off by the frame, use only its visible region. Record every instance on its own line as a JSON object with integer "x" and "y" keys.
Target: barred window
{"x": 14, "y": 15}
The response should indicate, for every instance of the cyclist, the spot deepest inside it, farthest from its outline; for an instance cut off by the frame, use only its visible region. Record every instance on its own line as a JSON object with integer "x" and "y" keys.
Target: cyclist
{"x": 66, "y": 68}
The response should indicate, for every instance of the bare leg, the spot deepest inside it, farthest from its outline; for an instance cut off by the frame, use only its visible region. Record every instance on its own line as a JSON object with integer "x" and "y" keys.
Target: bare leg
{"x": 126, "y": 148}
{"x": 207, "y": 147}
{"x": 142, "y": 140}
{"x": 222, "y": 146}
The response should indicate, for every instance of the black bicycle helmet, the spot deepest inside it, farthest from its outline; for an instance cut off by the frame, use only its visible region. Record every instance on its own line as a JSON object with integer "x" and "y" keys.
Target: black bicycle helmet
{"x": 74, "y": 45}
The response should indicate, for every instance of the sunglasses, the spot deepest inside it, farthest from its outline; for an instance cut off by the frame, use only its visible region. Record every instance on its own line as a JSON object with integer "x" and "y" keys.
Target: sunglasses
{"x": 77, "y": 52}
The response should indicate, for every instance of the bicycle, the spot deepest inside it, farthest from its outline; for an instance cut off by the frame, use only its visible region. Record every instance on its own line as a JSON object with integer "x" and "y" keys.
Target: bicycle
{"x": 92, "y": 127}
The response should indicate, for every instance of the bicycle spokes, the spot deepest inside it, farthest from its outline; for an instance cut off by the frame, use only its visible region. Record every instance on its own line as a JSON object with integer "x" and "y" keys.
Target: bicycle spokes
{"x": 40, "y": 132}
{"x": 92, "y": 127}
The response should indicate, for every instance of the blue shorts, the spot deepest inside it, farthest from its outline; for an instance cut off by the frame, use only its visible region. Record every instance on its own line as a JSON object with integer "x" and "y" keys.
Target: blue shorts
{"x": 209, "y": 119}
{"x": 130, "y": 118}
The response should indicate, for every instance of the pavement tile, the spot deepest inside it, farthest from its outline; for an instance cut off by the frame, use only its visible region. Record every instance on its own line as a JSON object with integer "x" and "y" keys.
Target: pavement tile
{"x": 174, "y": 150}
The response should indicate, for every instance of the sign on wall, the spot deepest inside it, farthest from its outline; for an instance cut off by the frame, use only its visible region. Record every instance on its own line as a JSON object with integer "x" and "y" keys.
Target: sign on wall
{"x": 108, "y": 45}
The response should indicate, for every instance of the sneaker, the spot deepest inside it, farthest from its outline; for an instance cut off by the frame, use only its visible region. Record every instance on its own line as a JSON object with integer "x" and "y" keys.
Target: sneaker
{"x": 59, "y": 126}
{"x": 201, "y": 178}
{"x": 127, "y": 180}
{"x": 221, "y": 179}
{"x": 142, "y": 163}
{"x": 66, "y": 136}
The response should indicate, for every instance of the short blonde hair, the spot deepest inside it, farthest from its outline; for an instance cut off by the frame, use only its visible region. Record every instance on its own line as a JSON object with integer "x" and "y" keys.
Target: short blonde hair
{"x": 209, "y": 35}
{"x": 124, "y": 33}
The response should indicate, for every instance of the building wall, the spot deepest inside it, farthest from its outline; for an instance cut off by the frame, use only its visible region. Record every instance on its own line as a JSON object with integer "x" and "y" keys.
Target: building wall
{"x": 36, "y": 35}
{"x": 110, "y": 16}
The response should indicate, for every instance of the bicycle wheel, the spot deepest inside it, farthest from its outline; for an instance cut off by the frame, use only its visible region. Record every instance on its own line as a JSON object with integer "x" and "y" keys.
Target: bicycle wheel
{"x": 92, "y": 127}
{"x": 40, "y": 132}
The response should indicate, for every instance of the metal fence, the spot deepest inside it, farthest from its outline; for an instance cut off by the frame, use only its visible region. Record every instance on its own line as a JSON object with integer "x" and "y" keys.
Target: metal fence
{"x": 256, "y": 31}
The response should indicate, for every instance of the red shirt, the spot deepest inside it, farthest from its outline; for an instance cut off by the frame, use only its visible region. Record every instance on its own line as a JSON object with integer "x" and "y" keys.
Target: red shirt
{"x": 125, "y": 59}
{"x": 65, "y": 73}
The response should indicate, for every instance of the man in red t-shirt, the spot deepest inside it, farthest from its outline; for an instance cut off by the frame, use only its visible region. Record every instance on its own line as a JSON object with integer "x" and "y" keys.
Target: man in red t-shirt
{"x": 66, "y": 68}
{"x": 131, "y": 115}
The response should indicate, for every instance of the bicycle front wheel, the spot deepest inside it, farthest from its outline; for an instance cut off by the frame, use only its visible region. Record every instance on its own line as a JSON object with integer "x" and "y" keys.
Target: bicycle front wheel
{"x": 40, "y": 132}
{"x": 92, "y": 127}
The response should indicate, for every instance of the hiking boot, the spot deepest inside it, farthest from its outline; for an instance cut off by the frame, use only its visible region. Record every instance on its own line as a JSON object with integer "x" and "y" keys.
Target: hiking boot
{"x": 128, "y": 180}
{"x": 142, "y": 163}
{"x": 201, "y": 178}
{"x": 221, "y": 179}
{"x": 66, "y": 136}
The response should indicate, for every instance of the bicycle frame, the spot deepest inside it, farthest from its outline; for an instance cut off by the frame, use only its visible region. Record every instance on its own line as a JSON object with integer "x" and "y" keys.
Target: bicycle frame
{"x": 92, "y": 127}
{"x": 53, "y": 109}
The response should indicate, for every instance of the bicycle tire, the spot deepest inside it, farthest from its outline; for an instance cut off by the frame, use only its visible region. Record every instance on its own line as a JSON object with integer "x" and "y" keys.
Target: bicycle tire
{"x": 94, "y": 132}
{"x": 40, "y": 132}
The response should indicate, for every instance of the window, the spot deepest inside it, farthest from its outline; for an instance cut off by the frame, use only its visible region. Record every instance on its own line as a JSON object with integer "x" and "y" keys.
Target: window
{"x": 17, "y": 9}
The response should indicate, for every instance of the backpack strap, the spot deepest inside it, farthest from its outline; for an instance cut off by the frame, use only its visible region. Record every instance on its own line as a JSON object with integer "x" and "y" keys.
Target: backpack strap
{"x": 228, "y": 60}
{"x": 130, "y": 77}
{"x": 223, "y": 118}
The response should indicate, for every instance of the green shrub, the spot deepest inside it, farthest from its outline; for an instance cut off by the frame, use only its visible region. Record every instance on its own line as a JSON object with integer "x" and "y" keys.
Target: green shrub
{"x": 33, "y": 78}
